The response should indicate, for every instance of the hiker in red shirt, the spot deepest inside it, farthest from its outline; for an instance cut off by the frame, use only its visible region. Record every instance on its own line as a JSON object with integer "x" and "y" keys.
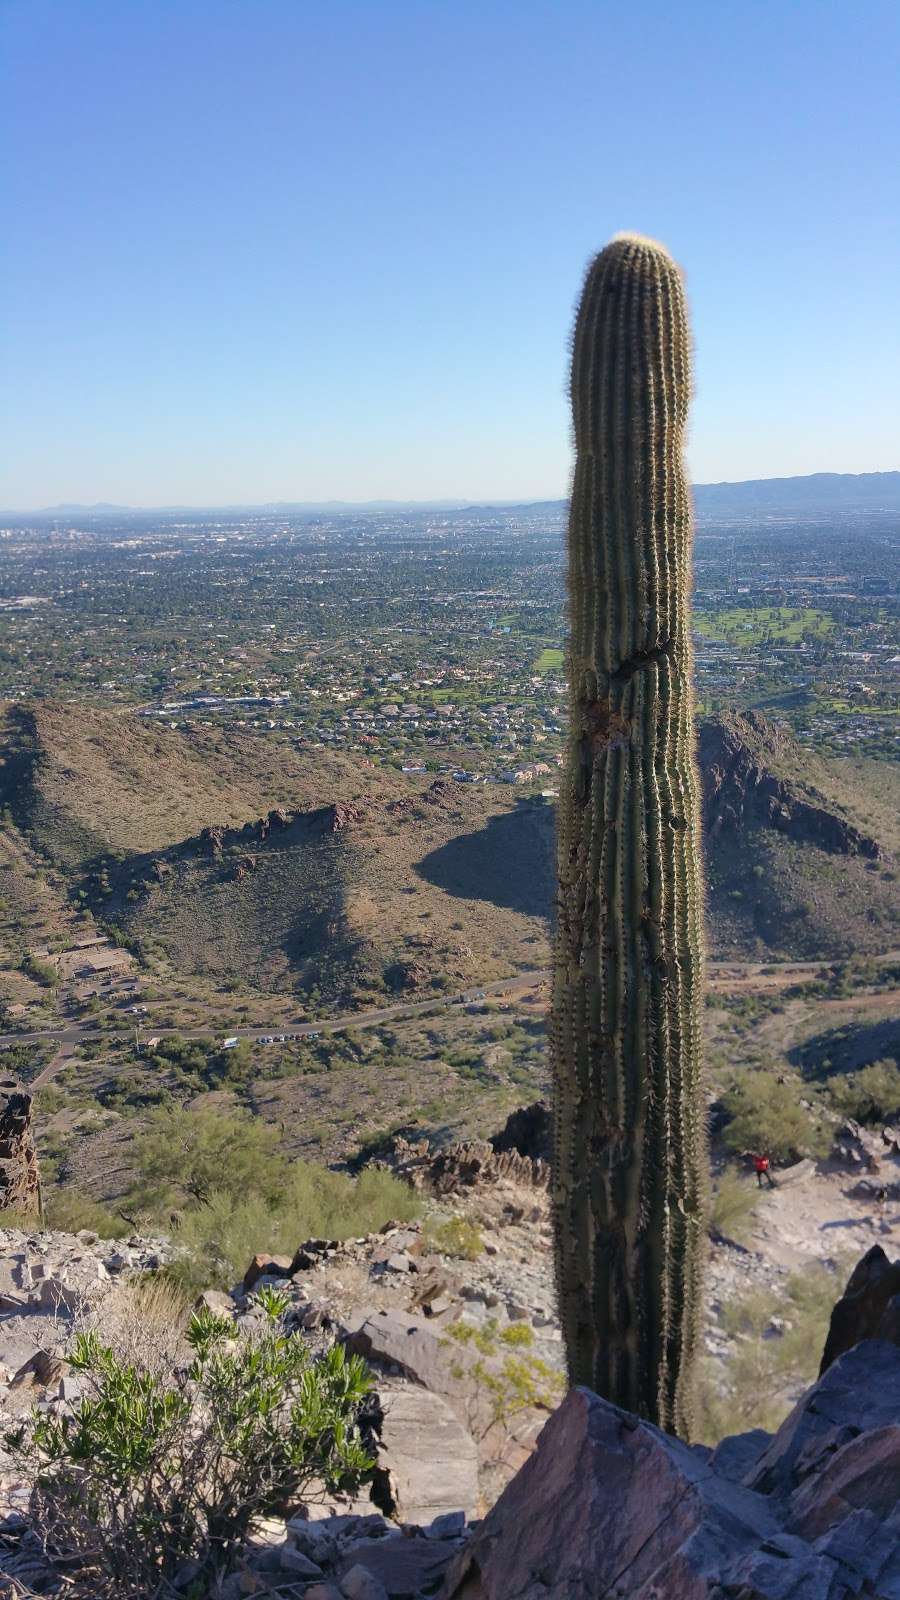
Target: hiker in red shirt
{"x": 761, "y": 1167}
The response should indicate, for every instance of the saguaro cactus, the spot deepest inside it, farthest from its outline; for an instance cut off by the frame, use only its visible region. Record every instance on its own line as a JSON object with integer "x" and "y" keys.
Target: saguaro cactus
{"x": 630, "y": 1167}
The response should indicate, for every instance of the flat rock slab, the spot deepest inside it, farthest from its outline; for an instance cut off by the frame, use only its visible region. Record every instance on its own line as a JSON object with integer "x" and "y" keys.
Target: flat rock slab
{"x": 429, "y": 1458}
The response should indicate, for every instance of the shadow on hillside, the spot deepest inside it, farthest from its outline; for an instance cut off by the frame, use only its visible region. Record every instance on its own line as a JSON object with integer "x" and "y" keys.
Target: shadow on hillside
{"x": 845, "y": 1049}
{"x": 508, "y": 863}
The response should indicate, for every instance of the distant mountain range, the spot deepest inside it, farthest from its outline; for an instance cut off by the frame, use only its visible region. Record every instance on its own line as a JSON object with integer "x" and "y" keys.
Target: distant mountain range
{"x": 816, "y": 492}
{"x": 820, "y": 491}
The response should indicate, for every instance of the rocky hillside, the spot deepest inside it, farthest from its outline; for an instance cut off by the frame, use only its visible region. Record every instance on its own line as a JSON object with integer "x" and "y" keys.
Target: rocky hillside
{"x": 801, "y": 852}
{"x": 265, "y": 866}
{"x": 468, "y": 1406}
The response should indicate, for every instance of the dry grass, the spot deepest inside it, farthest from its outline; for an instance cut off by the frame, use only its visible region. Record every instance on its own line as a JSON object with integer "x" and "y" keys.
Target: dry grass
{"x": 143, "y": 1320}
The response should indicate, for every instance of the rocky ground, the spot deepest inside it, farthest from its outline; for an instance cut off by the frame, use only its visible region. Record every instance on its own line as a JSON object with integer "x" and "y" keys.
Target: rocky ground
{"x": 455, "y": 1315}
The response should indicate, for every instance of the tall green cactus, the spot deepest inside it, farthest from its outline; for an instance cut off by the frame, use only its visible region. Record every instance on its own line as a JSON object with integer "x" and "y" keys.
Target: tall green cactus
{"x": 630, "y": 1167}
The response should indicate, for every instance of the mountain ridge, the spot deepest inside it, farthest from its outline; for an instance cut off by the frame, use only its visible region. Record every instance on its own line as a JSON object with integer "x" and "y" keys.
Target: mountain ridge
{"x": 816, "y": 490}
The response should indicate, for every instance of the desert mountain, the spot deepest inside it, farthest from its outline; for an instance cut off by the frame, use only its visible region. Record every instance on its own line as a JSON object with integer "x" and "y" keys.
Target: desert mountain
{"x": 249, "y": 860}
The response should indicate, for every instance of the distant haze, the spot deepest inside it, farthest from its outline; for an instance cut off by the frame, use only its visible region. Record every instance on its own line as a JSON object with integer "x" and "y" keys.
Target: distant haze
{"x": 818, "y": 491}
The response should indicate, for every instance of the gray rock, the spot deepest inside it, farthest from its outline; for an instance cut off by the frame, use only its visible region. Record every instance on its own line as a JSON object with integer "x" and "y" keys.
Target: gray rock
{"x": 361, "y": 1584}
{"x": 429, "y": 1460}
{"x": 400, "y": 1262}
{"x": 734, "y": 1457}
{"x": 610, "y": 1508}
{"x": 292, "y": 1560}
{"x": 448, "y": 1526}
{"x": 217, "y": 1301}
{"x": 860, "y": 1393}
{"x": 869, "y": 1308}
{"x": 401, "y": 1566}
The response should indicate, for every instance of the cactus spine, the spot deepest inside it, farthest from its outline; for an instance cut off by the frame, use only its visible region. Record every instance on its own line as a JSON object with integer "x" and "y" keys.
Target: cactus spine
{"x": 630, "y": 1167}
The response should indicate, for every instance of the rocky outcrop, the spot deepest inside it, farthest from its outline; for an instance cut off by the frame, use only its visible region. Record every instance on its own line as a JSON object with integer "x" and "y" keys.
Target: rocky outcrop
{"x": 740, "y": 786}
{"x": 610, "y": 1508}
{"x": 212, "y": 839}
{"x": 20, "y": 1184}
{"x": 337, "y": 817}
{"x": 455, "y": 1168}
{"x": 869, "y": 1308}
{"x": 855, "y": 1147}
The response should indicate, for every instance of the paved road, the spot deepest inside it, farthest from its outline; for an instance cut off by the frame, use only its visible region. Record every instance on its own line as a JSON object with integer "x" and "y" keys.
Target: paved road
{"x": 73, "y": 1034}
{"x": 723, "y": 975}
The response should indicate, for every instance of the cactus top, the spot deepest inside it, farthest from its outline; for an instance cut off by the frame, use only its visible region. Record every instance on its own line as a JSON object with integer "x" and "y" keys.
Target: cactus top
{"x": 634, "y": 289}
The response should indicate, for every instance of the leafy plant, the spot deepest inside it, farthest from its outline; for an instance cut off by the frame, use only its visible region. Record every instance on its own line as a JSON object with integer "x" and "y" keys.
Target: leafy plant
{"x": 145, "y": 1480}
{"x": 505, "y": 1375}
{"x": 734, "y": 1201}
{"x": 219, "y": 1236}
{"x": 777, "y": 1342}
{"x": 765, "y": 1114}
{"x": 871, "y": 1094}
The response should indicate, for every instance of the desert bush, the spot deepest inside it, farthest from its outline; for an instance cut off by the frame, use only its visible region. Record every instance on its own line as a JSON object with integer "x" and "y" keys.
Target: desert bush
{"x": 70, "y": 1211}
{"x": 733, "y": 1203}
{"x": 871, "y": 1094}
{"x": 455, "y": 1236}
{"x": 777, "y": 1342}
{"x": 505, "y": 1373}
{"x": 220, "y": 1236}
{"x": 143, "y": 1321}
{"x": 766, "y": 1114}
{"x": 185, "y": 1156}
{"x": 146, "y": 1482}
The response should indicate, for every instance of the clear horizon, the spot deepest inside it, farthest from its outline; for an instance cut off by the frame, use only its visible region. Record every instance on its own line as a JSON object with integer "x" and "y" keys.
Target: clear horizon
{"x": 304, "y": 254}
{"x": 462, "y": 501}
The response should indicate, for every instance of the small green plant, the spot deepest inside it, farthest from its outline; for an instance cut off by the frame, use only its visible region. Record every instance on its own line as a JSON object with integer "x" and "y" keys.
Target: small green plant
{"x": 777, "y": 1343}
{"x": 505, "y": 1375}
{"x": 456, "y": 1236}
{"x": 144, "y": 1477}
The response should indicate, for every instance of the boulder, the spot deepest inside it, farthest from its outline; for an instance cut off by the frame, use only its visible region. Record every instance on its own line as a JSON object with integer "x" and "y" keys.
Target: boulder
{"x": 427, "y": 1462}
{"x": 265, "y": 1266}
{"x": 402, "y": 1567}
{"x": 610, "y": 1508}
{"x": 869, "y": 1308}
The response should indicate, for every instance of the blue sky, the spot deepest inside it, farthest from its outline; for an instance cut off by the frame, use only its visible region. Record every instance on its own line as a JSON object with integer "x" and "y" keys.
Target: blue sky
{"x": 275, "y": 249}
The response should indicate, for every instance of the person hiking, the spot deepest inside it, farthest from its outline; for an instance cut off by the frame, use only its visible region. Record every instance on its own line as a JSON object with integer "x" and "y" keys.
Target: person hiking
{"x": 762, "y": 1169}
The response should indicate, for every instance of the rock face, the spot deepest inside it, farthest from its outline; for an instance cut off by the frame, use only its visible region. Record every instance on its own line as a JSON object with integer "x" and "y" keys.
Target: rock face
{"x": 739, "y": 785}
{"x": 868, "y": 1309}
{"x": 610, "y": 1507}
{"x": 20, "y": 1186}
{"x": 468, "y": 1164}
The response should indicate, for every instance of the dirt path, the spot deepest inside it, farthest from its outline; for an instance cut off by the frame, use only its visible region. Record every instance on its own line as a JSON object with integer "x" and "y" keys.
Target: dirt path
{"x": 816, "y": 1217}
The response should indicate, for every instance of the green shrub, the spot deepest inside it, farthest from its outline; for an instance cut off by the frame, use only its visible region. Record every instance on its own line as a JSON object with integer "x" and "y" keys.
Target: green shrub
{"x": 766, "y": 1114}
{"x": 733, "y": 1203}
{"x": 505, "y": 1376}
{"x": 185, "y": 1156}
{"x": 457, "y": 1236}
{"x": 219, "y": 1237}
{"x": 872, "y": 1094}
{"x": 767, "y": 1367}
{"x": 145, "y": 1477}
{"x": 69, "y": 1211}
